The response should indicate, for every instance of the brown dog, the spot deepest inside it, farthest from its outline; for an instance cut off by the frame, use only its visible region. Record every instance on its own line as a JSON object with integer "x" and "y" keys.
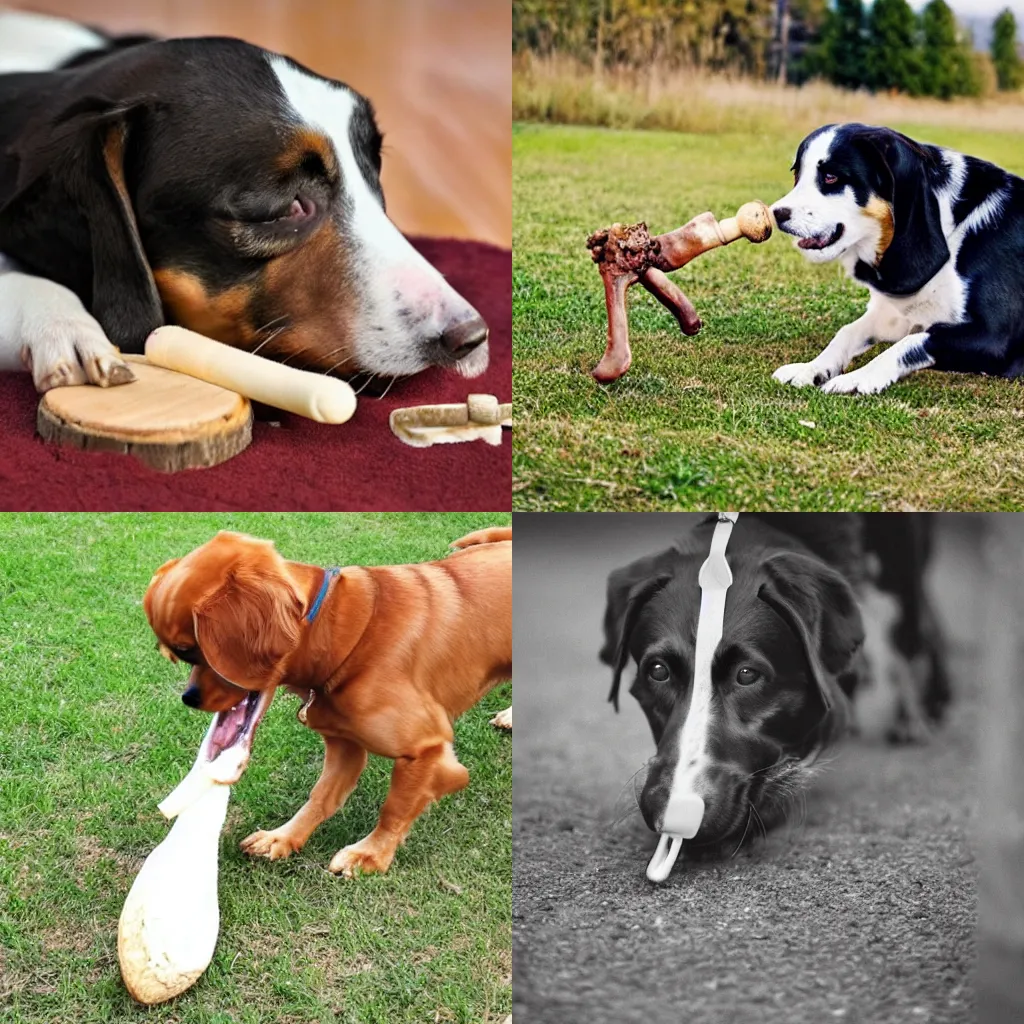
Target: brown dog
{"x": 384, "y": 657}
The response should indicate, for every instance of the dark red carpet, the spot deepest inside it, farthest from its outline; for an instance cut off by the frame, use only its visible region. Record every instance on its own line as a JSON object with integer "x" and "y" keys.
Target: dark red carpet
{"x": 299, "y": 465}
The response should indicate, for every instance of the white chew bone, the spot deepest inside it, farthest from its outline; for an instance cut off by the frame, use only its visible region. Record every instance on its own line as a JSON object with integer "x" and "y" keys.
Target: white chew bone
{"x": 168, "y": 928}
{"x": 314, "y": 395}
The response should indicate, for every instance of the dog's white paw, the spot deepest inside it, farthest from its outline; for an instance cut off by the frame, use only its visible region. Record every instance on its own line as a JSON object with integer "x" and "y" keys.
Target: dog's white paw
{"x": 61, "y": 342}
{"x": 859, "y": 382}
{"x": 73, "y": 352}
{"x": 503, "y": 719}
{"x": 801, "y": 375}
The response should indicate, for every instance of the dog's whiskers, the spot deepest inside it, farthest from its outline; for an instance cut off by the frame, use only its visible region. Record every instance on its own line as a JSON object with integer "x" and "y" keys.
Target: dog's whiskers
{"x": 750, "y": 807}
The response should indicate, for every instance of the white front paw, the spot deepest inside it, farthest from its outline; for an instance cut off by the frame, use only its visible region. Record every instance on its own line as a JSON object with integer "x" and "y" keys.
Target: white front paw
{"x": 62, "y": 349}
{"x": 801, "y": 375}
{"x": 858, "y": 382}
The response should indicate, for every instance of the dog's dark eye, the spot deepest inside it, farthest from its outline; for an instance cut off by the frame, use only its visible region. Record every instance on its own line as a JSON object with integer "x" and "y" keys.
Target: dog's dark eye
{"x": 830, "y": 179}
{"x": 189, "y": 654}
{"x": 747, "y": 676}
{"x": 658, "y": 672}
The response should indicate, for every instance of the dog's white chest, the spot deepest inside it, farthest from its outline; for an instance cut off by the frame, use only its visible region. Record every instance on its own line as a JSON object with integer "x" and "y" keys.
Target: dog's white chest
{"x": 942, "y": 300}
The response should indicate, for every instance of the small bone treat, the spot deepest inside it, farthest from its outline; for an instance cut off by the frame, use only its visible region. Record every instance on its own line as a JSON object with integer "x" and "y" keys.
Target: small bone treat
{"x": 314, "y": 395}
{"x": 627, "y": 254}
{"x": 480, "y": 417}
{"x": 168, "y": 927}
{"x": 166, "y": 420}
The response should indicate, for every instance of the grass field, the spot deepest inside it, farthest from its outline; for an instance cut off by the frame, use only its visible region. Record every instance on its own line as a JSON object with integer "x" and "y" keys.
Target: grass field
{"x": 93, "y": 735}
{"x": 699, "y": 423}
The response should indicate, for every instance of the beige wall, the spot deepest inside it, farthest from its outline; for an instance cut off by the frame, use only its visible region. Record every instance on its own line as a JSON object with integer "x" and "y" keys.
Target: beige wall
{"x": 439, "y": 73}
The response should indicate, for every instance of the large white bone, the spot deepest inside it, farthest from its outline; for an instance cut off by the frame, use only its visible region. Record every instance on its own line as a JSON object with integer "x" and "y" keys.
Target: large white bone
{"x": 168, "y": 927}
{"x": 684, "y": 809}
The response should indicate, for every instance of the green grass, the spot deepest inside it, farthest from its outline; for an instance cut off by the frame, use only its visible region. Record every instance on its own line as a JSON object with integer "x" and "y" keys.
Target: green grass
{"x": 698, "y": 422}
{"x": 93, "y": 735}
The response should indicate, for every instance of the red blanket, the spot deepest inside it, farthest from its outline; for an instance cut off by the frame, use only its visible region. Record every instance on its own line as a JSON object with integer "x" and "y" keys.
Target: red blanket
{"x": 299, "y": 465}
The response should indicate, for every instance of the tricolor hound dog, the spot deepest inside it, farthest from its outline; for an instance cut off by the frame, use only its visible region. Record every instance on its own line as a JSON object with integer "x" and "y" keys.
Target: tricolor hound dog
{"x": 208, "y": 183}
{"x": 938, "y": 239}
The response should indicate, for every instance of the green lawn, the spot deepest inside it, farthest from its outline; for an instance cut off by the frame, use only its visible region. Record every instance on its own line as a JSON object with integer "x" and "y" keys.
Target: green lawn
{"x": 93, "y": 735}
{"x": 699, "y": 422}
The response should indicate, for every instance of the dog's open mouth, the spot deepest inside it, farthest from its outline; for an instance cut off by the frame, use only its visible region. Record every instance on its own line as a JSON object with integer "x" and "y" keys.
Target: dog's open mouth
{"x": 821, "y": 241}
{"x": 230, "y": 741}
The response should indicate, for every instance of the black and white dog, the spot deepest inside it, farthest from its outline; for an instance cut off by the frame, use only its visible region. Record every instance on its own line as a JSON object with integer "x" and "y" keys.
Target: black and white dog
{"x": 826, "y": 624}
{"x": 937, "y": 237}
{"x": 207, "y": 183}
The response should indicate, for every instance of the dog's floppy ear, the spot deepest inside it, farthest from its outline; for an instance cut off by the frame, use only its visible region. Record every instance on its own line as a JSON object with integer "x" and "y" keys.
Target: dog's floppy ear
{"x": 819, "y": 606}
{"x": 248, "y": 626}
{"x": 918, "y": 248}
{"x": 629, "y": 589}
{"x": 71, "y": 218}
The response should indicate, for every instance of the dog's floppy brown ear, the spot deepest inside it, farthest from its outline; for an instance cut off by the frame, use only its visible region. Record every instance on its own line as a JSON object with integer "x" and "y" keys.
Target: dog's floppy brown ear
{"x": 71, "y": 217}
{"x": 819, "y": 606}
{"x": 248, "y": 626}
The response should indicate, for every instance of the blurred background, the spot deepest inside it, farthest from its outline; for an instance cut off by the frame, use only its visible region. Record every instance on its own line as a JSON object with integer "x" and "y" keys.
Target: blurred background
{"x": 629, "y": 63}
{"x": 437, "y": 71}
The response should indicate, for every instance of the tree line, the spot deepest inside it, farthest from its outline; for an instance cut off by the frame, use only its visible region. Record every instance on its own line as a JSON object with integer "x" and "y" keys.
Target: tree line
{"x": 881, "y": 46}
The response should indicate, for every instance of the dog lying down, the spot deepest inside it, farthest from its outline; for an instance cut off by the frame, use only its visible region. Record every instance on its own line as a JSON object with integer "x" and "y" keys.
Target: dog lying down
{"x": 803, "y": 625}
{"x": 938, "y": 239}
{"x": 206, "y": 183}
{"x": 384, "y": 659}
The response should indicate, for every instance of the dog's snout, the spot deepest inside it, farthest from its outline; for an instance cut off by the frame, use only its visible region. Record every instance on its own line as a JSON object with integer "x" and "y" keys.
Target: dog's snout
{"x": 193, "y": 696}
{"x": 462, "y": 338}
{"x": 781, "y": 214}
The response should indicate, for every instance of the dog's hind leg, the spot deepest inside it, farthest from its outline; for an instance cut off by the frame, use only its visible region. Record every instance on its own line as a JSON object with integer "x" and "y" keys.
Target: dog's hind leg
{"x": 416, "y": 782}
{"x": 344, "y": 762}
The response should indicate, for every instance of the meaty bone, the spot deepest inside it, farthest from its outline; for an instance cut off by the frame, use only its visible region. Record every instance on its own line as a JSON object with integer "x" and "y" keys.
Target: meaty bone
{"x": 627, "y": 254}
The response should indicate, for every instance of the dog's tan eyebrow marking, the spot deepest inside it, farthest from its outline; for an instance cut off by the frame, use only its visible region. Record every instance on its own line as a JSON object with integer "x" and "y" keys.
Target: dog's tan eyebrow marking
{"x": 306, "y": 140}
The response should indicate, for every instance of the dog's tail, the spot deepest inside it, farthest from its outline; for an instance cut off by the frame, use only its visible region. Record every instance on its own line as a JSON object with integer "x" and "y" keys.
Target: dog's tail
{"x": 488, "y": 535}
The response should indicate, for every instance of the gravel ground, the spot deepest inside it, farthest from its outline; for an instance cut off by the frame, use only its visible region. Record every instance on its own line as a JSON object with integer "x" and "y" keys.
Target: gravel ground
{"x": 861, "y": 910}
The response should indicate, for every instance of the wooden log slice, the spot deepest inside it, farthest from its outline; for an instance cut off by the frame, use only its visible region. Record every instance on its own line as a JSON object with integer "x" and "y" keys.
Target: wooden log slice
{"x": 168, "y": 420}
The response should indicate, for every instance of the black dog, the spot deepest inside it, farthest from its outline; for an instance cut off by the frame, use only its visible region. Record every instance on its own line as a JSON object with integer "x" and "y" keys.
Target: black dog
{"x": 792, "y": 655}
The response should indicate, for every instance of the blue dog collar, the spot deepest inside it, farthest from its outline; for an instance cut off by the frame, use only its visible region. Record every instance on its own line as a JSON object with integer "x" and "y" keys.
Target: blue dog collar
{"x": 329, "y": 575}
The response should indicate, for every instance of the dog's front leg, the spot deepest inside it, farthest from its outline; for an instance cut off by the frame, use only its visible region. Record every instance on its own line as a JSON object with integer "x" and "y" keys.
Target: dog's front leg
{"x": 415, "y": 783}
{"x": 44, "y": 328}
{"x": 890, "y": 366}
{"x": 877, "y": 324}
{"x": 344, "y": 762}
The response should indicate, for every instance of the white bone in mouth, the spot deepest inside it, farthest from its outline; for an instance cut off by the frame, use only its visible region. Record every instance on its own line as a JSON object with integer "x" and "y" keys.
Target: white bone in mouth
{"x": 684, "y": 809}
{"x": 168, "y": 927}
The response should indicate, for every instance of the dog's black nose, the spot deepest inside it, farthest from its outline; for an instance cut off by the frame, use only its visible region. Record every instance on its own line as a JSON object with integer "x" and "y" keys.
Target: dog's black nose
{"x": 461, "y": 339}
{"x": 192, "y": 697}
{"x": 781, "y": 214}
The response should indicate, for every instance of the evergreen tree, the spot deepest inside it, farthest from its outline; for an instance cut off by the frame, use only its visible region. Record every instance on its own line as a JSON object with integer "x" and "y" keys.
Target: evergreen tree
{"x": 843, "y": 50}
{"x": 1004, "y": 51}
{"x": 893, "y": 60}
{"x": 946, "y": 68}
